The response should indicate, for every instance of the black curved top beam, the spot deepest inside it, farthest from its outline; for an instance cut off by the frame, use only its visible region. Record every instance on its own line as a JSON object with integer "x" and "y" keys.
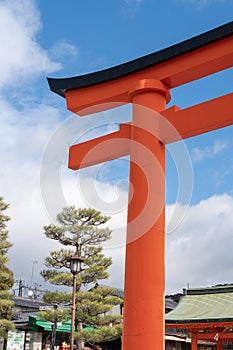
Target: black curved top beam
{"x": 59, "y": 86}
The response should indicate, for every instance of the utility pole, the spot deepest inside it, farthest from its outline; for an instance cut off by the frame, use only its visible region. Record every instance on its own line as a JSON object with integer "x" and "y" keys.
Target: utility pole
{"x": 54, "y": 328}
{"x": 33, "y": 266}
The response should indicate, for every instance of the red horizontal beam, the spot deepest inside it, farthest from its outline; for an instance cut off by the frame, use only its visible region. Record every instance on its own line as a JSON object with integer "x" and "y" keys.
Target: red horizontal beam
{"x": 174, "y": 125}
{"x": 200, "y": 325}
{"x": 210, "y": 336}
{"x": 201, "y": 118}
{"x": 101, "y": 149}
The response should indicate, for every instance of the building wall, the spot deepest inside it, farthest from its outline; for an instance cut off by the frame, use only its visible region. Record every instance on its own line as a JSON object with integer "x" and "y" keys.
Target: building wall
{"x": 35, "y": 341}
{"x": 177, "y": 345}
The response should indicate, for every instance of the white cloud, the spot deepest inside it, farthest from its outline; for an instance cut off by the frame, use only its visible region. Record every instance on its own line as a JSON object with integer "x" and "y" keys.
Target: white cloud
{"x": 64, "y": 48}
{"x": 22, "y": 56}
{"x": 219, "y": 146}
{"x": 24, "y": 135}
{"x": 25, "y": 129}
{"x": 132, "y": 7}
{"x": 199, "y": 154}
{"x": 199, "y": 252}
{"x": 202, "y": 3}
{"x": 133, "y": 2}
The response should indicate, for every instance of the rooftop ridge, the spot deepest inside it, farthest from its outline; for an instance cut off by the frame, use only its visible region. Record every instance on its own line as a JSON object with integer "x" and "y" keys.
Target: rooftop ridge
{"x": 208, "y": 290}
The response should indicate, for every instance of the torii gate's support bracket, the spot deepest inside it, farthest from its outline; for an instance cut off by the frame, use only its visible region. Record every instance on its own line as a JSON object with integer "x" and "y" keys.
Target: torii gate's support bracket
{"x": 146, "y": 83}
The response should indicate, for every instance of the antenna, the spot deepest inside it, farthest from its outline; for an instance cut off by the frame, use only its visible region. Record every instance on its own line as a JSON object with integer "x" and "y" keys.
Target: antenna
{"x": 33, "y": 265}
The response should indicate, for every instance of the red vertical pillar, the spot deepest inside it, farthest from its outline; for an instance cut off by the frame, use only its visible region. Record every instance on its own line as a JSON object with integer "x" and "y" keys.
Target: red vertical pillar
{"x": 145, "y": 253}
{"x": 193, "y": 343}
{"x": 219, "y": 344}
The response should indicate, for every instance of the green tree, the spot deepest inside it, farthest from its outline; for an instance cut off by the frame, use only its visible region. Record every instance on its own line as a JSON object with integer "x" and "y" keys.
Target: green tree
{"x": 6, "y": 276}
{"x": 84, "y": 230}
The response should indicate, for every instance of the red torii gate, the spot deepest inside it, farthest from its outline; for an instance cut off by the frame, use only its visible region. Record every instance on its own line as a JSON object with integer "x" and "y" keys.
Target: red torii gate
{"x": 146, "y": 83}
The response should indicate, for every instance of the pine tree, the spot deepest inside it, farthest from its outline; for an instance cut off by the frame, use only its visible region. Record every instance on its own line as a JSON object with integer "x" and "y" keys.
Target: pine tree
{"x": 84, "y": 230}
{"x": 6, "y": 276}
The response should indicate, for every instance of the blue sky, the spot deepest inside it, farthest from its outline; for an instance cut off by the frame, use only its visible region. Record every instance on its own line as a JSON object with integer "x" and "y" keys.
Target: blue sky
{"x": 67, "y": 38}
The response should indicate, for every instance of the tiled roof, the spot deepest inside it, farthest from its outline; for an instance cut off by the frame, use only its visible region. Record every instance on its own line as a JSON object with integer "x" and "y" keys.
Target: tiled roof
{"x": 119, "y": 293}
{"x": 209, "y": 290}
{"x": 26, "y": 302}
{"x": 22, "y": 318}
{"x": 202, "y": 305}
{"x": 170, "y": 303}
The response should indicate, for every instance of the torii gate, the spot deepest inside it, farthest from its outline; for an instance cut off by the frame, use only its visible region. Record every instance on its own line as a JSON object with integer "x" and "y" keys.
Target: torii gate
{"x": 146, "y": 83}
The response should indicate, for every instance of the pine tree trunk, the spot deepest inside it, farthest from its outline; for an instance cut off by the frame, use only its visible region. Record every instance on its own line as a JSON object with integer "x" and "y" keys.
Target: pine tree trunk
{"x": 4, "y": 343}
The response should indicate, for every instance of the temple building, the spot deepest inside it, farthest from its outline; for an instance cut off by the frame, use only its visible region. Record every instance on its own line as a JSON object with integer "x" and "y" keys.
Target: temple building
{"x": 204, "y": 316}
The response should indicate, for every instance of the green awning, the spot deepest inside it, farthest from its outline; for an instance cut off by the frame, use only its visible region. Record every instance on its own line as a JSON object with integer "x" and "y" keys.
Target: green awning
{"x": 35, "y": 322}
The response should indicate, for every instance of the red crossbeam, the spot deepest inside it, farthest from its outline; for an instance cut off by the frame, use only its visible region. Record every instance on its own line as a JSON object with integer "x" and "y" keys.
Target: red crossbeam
{"x": 196, "y": 120}
{"x": 175, "y": 125}
{"x": 97, "y": 150}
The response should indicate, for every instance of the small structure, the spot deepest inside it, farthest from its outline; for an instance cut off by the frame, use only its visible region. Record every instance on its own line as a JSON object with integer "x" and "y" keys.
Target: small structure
{"x": 23, "y": 338}
{"x": 23, "y": 308}
{"x": 206, "y": 314}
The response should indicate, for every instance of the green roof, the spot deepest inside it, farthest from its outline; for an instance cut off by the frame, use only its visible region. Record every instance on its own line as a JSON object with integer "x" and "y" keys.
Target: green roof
{"x": 35, "y": 322}
{"x": 203, "y": 305}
